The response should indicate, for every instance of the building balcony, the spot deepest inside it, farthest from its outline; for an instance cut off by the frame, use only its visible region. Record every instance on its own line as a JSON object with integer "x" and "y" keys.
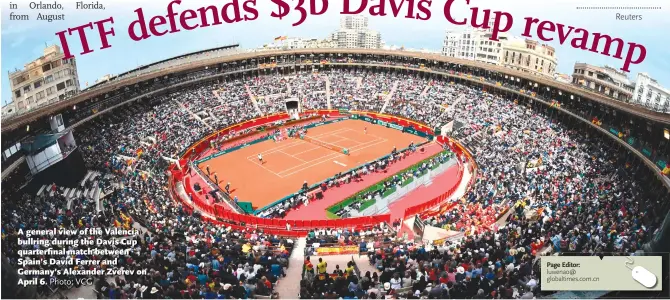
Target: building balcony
{"x": 604, "y": 84}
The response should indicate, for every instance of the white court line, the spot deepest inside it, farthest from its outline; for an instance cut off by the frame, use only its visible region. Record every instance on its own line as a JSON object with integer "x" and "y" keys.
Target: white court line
{"x": 262, "y": 166}
{"x": 290, "y": 145}
{"x": 302, "y": 160}
{"x": 252, "y": 158}
{"x": 279, "y": 148}
{"x": 327, "y": 157}
{"x": 339, "y": 163}
{"x": 357, "y": 141}
{"x": 317, "y": 147}
{"x": 323, "y": 156}
{"x": 333, "y": 142}
{"x": 319, "y": 160}
{"x": 330, "y": 156}
{"x": 327, "y": 160}
{"x": 335, "y": 131}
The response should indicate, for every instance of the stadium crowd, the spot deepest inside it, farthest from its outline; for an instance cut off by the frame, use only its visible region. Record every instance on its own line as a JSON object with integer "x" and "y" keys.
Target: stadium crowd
{"x": 579, "y": 198}
{"x": 571, "y": 199}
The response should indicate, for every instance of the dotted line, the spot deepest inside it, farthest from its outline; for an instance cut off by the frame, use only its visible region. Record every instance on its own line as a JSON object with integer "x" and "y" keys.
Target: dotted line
{"x": 618, "y": 7}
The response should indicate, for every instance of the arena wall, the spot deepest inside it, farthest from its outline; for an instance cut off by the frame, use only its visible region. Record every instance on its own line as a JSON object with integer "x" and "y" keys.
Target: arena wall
{"x": 219, "y": 213}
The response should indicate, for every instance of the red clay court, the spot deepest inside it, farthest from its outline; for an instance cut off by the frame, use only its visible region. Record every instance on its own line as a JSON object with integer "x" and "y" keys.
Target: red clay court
{"x": 290, "y": 162}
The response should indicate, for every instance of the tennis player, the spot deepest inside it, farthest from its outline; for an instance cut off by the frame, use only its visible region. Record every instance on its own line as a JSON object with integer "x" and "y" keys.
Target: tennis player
{"x": 260, "y": 158}
{"x": 365, "y": 130}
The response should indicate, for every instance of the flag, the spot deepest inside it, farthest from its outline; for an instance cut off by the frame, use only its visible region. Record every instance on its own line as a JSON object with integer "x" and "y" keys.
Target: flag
{"x": 280, "y": 38}
{"x": 139, "y": 152}
{"x": 666, "y": 170}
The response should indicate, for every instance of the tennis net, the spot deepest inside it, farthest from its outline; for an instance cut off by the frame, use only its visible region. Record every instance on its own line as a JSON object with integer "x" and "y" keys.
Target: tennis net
{"x": 326, "y": 145}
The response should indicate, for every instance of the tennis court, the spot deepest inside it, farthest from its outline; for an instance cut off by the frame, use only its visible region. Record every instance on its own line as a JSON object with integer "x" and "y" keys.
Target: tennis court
{"x": 288, "y": 163}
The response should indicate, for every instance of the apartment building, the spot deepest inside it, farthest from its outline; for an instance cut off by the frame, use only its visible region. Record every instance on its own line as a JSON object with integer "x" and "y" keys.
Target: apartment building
{"x": 474, "y": 44}
{"x": 354, "y": 33}
{"x": 605, "y": 80}
{"x": 650, "y": 94}
{"x": 355, "y": 22}
{"x": 46, "y": 80}
{"x": 529, "y": 56}
{"x": 563, "y": 78}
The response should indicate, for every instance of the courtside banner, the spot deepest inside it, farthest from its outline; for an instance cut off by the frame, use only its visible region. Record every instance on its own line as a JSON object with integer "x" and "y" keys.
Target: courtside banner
{"x": 325, "y": 123}
{"x": 337, "y": 250}
{"x": 392, "y": 125}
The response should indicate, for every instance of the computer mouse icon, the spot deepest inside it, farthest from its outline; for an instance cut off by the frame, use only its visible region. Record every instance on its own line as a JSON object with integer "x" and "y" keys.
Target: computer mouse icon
{"x": 644, "y": 277}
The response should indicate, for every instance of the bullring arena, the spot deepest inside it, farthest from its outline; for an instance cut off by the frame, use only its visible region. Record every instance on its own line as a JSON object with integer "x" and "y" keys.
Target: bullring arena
{"x": 290, "y": 162}
{"x": 367, "y": 155}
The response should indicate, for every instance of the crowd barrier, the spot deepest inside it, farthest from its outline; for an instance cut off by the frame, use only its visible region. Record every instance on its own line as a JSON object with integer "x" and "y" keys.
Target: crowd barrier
{"x": 439, "y": 201}
{"x": 269, "y": 231}
{"x": 302, "y": 224}
{"x": 218, "y": 213}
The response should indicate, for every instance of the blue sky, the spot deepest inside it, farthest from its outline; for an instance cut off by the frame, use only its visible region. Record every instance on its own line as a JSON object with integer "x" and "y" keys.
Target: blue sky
{"x": 23, "y": 41}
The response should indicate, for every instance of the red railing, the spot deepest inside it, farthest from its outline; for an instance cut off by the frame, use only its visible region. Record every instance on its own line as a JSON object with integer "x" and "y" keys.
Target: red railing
{"x": 219, "y": 214}
{"x": 425, "y": 208}
{"x": 219, "y": 211}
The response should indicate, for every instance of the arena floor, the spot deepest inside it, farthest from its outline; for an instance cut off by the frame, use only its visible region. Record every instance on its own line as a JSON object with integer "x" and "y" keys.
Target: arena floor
{"x": 290, "y": 162}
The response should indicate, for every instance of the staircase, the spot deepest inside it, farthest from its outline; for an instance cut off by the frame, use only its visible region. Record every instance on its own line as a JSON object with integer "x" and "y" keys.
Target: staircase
{"x": 253, "y": 99}
{"x": 71, "y": 194}
{"x": 389, "y": 96}
{"x": 193, "y": 115}
{"x": 288, "y": 88}
{"x": 476, "y": 141}
{"x": 406, "y": 231}
{"x": 216, "y": 94}
{"x": 425, "y": 91}
{"x": 330, "y": 106}
{"x": 289, "y": 286}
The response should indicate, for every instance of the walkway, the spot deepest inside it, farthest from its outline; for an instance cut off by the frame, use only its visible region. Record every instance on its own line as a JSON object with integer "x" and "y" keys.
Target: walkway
{"x": 13, "y": 166}
{"x": 330, "y": 106}
{"x": 253, "y": 100}
{"x": 216, "y": 94}
{"x": 460, "y": 192}
{"x": 451, "y": 106}
{"x": 389, "y": 97}
{"x": 317, "y": 209}
{"x": 193, "y": 114}
{"x": 289, "y": 286}
{"x": 288, "y": 88}
{"x": 425, "y": 193}
{"x": 425, "y": 91}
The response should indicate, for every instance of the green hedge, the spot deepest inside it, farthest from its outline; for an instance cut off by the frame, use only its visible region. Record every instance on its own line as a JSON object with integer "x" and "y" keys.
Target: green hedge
{"x": 368, "y": 203}
{"x": 333, "y": 209}
{"x": 389, "y": 192}
{"x": 331, "y": 215}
